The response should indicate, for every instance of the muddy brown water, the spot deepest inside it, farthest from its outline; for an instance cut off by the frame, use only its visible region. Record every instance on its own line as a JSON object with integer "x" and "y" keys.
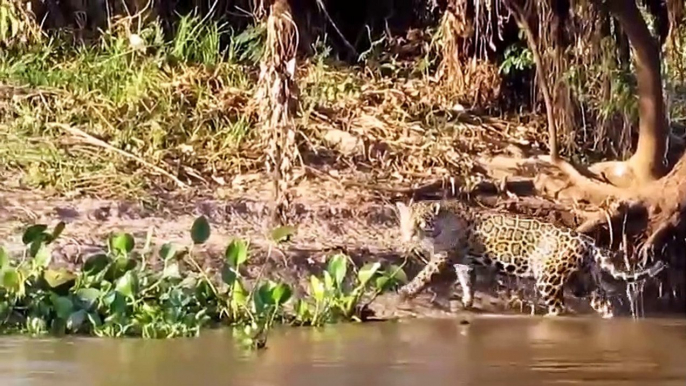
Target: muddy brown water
{"x": 490, "y": 351}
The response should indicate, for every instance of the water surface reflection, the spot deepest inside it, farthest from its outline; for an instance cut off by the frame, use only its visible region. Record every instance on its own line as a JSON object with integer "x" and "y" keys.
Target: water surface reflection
{"x": 490, "y": 351}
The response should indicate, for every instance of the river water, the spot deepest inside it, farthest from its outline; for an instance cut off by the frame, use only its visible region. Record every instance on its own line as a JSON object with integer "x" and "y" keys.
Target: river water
{"x": 495, "y": 350}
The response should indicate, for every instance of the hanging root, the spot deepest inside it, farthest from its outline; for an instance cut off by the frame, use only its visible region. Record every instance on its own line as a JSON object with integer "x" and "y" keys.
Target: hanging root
{"x": 453, "y": 27}
{"x": 474, "y": 79}
{"x": 276, "y": 98}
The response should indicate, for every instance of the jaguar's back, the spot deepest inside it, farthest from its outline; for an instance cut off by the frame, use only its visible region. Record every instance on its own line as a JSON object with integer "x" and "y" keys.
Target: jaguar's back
{"x": 487, "y": 237}
{"x": 511, "y": 242}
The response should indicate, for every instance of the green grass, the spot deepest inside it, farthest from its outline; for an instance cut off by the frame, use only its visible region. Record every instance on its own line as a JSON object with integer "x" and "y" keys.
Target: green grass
{"x": 121, "y": 293}
{"x": 171, "y": 104}
{"x": 182, "y": 105}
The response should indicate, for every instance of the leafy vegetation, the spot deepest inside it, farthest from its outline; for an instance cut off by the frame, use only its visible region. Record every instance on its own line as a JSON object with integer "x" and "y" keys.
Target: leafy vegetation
{"x": 119, "y": 292}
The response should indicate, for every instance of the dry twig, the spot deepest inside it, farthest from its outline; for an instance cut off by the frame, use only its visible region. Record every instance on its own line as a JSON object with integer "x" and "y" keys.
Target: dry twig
{"x": 97, "y": 142}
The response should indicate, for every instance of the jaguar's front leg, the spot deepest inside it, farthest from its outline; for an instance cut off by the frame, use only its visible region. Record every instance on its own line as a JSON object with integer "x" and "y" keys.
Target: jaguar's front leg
{"x": 466, "y": 276}
{"x": 437, "y": 261}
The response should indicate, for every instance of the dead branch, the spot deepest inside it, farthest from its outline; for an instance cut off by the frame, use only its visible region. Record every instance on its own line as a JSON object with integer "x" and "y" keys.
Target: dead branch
{"x": 97, "y": 142}
{"x": 520, "y": 16}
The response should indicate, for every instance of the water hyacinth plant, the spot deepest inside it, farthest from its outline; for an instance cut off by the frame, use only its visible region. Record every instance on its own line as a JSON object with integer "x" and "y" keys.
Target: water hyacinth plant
{"x": 123, "y": 292}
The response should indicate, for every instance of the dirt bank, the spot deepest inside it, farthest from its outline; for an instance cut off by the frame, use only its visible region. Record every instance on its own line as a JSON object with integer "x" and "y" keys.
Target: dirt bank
{"x": 329, "y": 219}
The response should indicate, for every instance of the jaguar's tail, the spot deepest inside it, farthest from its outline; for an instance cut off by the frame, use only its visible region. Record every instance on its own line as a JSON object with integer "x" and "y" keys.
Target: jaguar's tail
{"x": 603, "y": 259}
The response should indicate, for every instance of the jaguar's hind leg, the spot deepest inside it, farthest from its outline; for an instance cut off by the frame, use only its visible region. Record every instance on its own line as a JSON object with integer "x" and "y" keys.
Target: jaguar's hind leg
{"x": 549, "y": 286}
{"x": 550, "y": 277}
{"x": 466, "y": 275}
{"x": 599, "y": 300}
{"x": 601, "y": 304}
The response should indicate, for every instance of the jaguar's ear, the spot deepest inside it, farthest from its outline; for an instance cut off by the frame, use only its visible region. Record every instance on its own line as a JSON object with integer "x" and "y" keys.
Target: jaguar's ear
{"x": 405, "y": 221}
{"x": 403, "y": 210}
{"x": 436, "y": 207}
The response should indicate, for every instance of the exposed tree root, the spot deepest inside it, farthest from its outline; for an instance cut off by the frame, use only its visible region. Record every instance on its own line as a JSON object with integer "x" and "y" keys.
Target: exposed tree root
{"x": 586, "y": 185}
{"x": 656, "y": 209}
{"x": 653, "y": 211}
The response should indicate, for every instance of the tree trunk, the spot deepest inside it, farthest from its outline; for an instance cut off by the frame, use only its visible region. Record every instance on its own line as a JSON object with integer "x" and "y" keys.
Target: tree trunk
{"x": 652, "y": 141}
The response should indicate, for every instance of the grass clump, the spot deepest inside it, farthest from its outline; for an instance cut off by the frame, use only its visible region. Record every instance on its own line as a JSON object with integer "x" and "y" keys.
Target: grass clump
{"x": 180, "y": 102}
{"x": 128, "y": 292}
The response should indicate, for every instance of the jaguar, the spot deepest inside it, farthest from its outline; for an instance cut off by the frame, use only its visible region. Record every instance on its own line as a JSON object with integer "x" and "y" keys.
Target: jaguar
{"x": 451, "y": 232}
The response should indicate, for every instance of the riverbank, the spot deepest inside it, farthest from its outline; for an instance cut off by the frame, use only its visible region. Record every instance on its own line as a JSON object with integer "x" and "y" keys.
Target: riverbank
{"x": 329, "y": 222}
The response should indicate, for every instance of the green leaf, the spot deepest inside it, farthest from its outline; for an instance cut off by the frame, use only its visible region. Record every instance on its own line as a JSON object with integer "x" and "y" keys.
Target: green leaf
{"x": 258, "y": 302}
{"x": 200, "y": 231}
{"x": 228, "y": 274}
{"x": 35, "y": 246}
{"x": 328, "y": 281}
{"x": 236, "y": 253}
{"x": 59, "y": 228}
{"x": 88, "y": 296}
{"x": 63, "y": 306}
{"x": 55, "y": 278}
{"x": 122, "y": 243}
{"x": 12, "y": 281}
{"x": 239, "y": 294}
{"x": 96, "y": 263}
{"x": 367, "y": 272}
{"x": 4, "y": 258}
{"x": 281, "y": 293}
{"x": 381, "y": 282}
{"x": 303, "y": 309}
{"x": 317, "y": 288}
{"x": 283, "y": 233}
{"x": 118, "y": 267}
{"x": 43, "y": 257}
{"x": 127, "y": 284}
{"x": 76, "y": 319}
{"x": 265, "y": 292}
{"x": 338, "y": 267}
{"x": 33, "y": 233}
{"x": 204, "y": 291}
{"x": 397, "y": 273}
{"x": 116, "y": 302}
{"x": 167, "y": 251}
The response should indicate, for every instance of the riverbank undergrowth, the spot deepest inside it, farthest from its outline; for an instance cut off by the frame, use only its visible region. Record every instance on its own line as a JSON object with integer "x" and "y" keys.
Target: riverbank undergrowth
{"x": 151, "y": 113}
{"x": 129, "y": 292}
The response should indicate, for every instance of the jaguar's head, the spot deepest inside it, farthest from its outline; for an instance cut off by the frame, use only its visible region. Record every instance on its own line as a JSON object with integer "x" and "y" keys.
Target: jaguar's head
{"x": 417, "y": 220}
